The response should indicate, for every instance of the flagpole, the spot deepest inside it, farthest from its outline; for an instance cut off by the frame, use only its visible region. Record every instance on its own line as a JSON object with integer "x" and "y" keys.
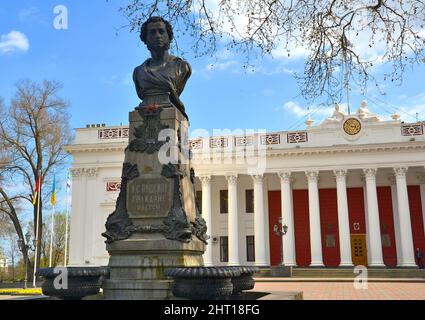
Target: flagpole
{"x": 53, "y": 201}
{"x": 36, "y": 230}
{"x": 51, "y": 237}
{"x": 68, "y": 187}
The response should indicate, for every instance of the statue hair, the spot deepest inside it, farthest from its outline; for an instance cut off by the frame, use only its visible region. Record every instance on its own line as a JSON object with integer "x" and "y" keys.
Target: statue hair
{"x": 144, "y": 29}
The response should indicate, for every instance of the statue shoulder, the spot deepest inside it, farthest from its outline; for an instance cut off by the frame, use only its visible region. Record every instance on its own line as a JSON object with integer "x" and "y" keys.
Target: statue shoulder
{"x": 140, "y": 68}
{"x": 183, "y": 65}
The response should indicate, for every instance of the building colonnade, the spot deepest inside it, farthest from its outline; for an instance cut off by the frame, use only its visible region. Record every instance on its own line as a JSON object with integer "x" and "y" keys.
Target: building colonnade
{"x": 402, "y": 222}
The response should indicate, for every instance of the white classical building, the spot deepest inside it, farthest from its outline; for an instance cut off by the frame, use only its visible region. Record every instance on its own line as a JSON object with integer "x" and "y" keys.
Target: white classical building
{"x": 350, "y": 190}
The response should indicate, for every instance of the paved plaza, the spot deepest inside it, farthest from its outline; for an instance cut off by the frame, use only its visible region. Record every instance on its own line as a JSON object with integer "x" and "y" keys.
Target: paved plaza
{"x": 347, "y": 291}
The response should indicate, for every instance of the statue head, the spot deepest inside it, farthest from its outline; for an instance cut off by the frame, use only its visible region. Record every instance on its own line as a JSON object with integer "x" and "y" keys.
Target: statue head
{"x": 156, "y": 33}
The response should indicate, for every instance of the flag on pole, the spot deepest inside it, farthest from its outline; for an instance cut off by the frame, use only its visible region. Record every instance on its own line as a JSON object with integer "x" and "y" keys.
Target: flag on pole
{"x": 68, "y": 183}
{"x": 37, "y": 190}
{"x": 53, "y": 199}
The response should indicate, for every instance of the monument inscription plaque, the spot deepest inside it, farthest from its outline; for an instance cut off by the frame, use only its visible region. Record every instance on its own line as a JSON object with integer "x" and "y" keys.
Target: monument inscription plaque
{"x": 149, "y": 197}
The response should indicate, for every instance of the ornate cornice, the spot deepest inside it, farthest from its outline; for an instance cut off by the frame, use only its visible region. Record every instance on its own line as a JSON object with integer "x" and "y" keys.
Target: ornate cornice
{"x": 96, "y": 147}
{"x": 411, "y": 146}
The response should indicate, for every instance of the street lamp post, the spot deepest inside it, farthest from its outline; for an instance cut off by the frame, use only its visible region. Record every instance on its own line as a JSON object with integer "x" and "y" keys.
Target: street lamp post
{"x": 280, "y": 230}
{"x": 25, "y": 244}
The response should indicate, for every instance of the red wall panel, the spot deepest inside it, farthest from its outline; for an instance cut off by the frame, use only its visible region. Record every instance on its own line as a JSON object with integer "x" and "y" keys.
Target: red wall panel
{"x": 356, "y": 209}
{"x": 302, "y": 227}
{"x": 274, "y": 214}
{"x": 329, "y": 226}
{"x": 386, "y": 220}
{"x": 416, "y": 219}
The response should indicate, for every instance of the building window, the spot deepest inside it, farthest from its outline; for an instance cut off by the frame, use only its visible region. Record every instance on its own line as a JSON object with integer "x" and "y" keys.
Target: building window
{"x": 224, "y": 201}
{"x": 224, "y": 249}
{"x": 249, "y": 201}
{"x": 250, "y": 248}
{"x": 198, "y": 200}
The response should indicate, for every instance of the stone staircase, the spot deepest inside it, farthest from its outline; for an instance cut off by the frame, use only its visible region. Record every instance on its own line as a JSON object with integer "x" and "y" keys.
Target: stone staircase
{"x": 349, "y": 273}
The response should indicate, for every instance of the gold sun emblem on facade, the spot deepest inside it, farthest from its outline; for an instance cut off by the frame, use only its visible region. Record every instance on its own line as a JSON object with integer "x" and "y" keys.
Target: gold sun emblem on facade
{"x": 352, "y": 126}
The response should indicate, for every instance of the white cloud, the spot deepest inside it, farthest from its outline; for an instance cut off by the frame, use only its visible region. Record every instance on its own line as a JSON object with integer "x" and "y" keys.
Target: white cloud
{"x": 13, "y": 41}
{"x": 317, "y": 113}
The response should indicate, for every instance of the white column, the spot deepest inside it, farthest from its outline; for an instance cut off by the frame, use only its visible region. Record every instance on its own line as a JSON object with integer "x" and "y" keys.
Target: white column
{"x": 421, "y": 178}
{"x": 288, "y": 240}
{"x": 407, "y": 250}
{"x": 259, "y": 222}
{"x": 373, "y": 225}
{"x": 77, "y": 237}
{"x": 207, "y": 215}
{"x": 314, "y": 215}
{"x": 233, "y": 231}
{"x": 396, "y": 219}
{"x": 343, "y": 219}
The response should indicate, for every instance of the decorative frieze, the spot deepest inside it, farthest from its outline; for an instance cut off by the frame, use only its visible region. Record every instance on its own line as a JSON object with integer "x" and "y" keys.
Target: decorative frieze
{"x": 412, "y": 130}
{"x": 195, "y": 144}
{"x": 297, "y": 137}
{"x": 218, "y": 143}
{"x": 113, "y": 186}
{"x": 244, "y": 141}
{"x": 269, "y": 139}
{"x": 115, "y": 133}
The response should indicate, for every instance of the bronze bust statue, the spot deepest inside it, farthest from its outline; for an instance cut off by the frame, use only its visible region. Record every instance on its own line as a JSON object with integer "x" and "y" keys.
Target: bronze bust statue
{"x": 161, "y": 78}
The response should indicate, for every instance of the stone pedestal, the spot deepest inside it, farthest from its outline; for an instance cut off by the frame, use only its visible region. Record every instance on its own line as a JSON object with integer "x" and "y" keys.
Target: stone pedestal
{"x": 156, "y": 224}
{"x": 137, "y": 267}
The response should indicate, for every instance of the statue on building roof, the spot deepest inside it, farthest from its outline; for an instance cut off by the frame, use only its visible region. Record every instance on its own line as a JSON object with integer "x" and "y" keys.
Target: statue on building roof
{"x": 336, "y": 116}
{"x": 364, "y": 113}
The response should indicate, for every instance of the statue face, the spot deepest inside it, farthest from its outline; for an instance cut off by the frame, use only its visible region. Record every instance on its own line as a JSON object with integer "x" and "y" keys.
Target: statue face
{"x": 157, "y": 36}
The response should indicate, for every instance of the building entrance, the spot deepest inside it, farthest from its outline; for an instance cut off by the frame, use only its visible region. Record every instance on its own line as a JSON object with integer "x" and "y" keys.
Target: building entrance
{"x": 358, "y": 249}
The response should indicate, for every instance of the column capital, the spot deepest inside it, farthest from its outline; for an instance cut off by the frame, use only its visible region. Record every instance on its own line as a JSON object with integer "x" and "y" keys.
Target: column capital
{"x": 340, "y": 173}
{"x": 370, "y": 173}
{"x": 77, "y": 172}
{"x": 285, "y": 176}
{"x": 91, "y": 172}
{"x": 257, "y": 178}
{"x": 312, "y": 175}
{"x": 231, "y": 178}
{"x": 205, "y": 180}
{"x": 400, "y": 172}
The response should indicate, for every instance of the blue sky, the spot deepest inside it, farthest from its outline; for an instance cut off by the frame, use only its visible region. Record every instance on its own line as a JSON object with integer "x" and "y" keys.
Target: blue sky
{"x": 95, "y": 58}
